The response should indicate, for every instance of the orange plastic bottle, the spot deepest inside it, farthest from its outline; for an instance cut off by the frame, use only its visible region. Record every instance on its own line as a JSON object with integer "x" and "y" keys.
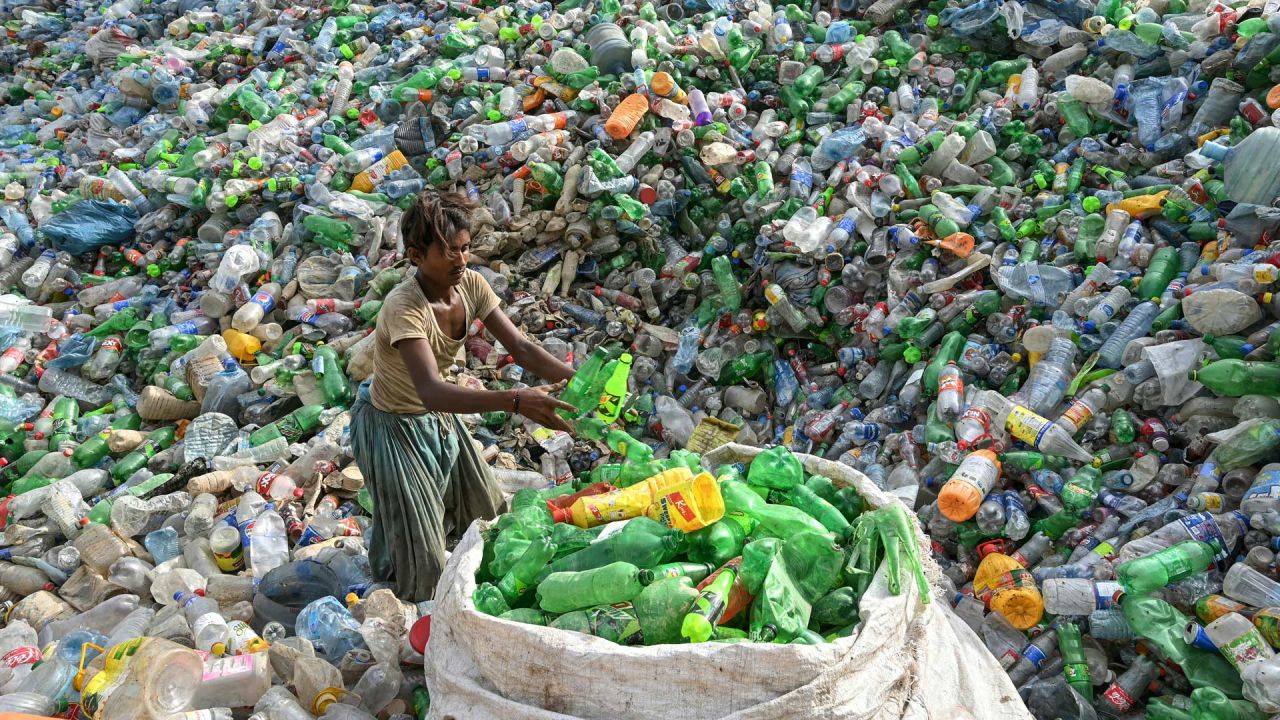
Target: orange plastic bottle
{"x": 663, "y": 85}
{"x": 626, "y": 116}
{"x": 962, "y": 495}
{"x": 959, "y": 244}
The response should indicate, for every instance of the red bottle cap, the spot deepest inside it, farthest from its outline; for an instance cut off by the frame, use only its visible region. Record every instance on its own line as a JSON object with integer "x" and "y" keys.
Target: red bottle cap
{"x": 420, "y": 633}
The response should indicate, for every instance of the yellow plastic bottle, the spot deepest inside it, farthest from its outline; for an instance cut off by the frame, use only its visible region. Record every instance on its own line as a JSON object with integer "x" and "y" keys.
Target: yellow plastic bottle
{"x": 1009, "y": 589}
{"x": 972, "y": 481}
{"x": 369, "y": 178}
{"x": 1141, "y": 207}
{"x": 243, "y": 346}
{"x": 675, "y": 498}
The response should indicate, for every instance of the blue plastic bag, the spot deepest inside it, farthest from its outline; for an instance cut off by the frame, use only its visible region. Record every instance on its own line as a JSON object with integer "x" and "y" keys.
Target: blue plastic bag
{"x": 89, "y": 225}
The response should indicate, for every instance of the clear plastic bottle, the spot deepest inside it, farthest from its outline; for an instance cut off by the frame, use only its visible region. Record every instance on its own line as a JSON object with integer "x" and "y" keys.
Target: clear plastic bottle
{"x": 268, "y": 543}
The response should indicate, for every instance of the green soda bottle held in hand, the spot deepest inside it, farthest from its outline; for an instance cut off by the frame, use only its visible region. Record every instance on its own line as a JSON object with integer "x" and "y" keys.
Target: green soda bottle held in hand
{"x": 615, "y": 390}
{"x": 525, "y": 571}
{"x": 1157, "y": 570}
{"x": 584, "y": 388}
{"x": 699, "y": 624}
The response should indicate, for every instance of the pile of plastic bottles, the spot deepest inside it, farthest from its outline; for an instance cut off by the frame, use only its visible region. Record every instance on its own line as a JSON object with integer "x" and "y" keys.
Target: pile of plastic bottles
{"x": 1011, "y": 260}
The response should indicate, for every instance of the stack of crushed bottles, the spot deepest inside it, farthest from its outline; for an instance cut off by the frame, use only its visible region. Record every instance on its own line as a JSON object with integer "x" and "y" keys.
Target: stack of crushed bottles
{"x": 1013, "y": 261}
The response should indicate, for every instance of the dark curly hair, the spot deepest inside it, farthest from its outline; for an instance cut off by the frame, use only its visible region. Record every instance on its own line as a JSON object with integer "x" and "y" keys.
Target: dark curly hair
{"x": 435, "y": 217}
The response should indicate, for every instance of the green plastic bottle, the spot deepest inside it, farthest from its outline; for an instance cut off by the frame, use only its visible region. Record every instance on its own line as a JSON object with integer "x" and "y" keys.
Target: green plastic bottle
{"x": 291, "y": 427}
{"x": 615, "y": 389}
{"x": 1162, "y": 268}
{"x": 699, "y": 624}
{"x": 158, "y": 440}
{"x": 824, "y": 512}
{"x": 744, "y": 367}
{"x": 489, "y": 600}
{"x": 721, "y": 541}
{"x": 1075, "y": 665}
{"x": 837, "y": 608}
{"x": 776, "y": 468}
{"x": 65, "y": 413}
{"x": 517, "y": 581}
{"x": 616, "y": 623}
{"x": 333, "y": 379}
{"x": 661, "y": 608}
{"x": 1236, "y": 378}
{"x": 614, "y": 583}
{"x": 695, "y": 571}
{"x": 584, "y": 388}
{"x": 643, "y": 542}
{"x": 528, "y": 616}
{"x": 780, "y": 521}
{"x": 1150, "y": 573}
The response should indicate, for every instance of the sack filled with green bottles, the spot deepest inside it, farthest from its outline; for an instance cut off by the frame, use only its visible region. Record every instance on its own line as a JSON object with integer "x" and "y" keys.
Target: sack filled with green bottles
{"x": 788, "y": 562}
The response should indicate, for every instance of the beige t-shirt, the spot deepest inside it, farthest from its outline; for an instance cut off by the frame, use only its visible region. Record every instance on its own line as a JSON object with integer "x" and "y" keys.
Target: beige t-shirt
{"x": 406, "y": 314}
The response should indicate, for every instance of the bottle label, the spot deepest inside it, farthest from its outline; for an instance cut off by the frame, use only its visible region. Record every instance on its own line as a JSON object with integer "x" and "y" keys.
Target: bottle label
{"x": 231, "y": 560}
{"x": 1265, "y": 487}
{"x": 1077, "y": 415}
{"x": 26, "y": 655}
{"x": 1027, "y": 426}
{"x": 229, "y": 666}
{"x": 978, "y": 475}
{"x": 1267, "y": 621}
{"x": 113, "y": 343}
{"x": 977, "y": 414}
{"x": 675, "y": 502}
{"x": 310, "y": 536}
{"x": 950, "y": 382}
{"x": 1118, "y": 698}
{"x": 1035, "y": 655}
{"x": 1202, "y": 527}
{"x": 264, "y": 301}
{"x": 1106, "y": 593}
{"x": 1245, "y": 649}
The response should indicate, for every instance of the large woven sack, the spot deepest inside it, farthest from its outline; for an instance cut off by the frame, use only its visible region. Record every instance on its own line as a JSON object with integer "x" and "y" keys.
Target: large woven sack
{"x": 910, "y": 659}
